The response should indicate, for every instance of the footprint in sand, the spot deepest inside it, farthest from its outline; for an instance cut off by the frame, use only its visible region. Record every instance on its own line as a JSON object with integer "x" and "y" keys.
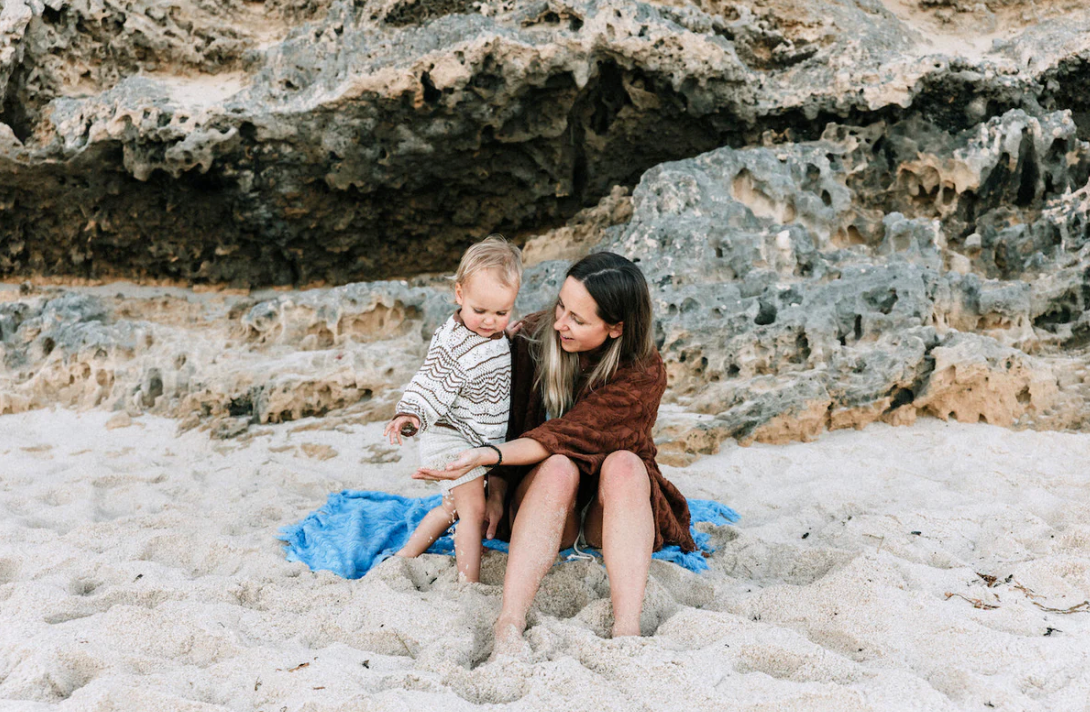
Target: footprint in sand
{"x": 40, "y": 452}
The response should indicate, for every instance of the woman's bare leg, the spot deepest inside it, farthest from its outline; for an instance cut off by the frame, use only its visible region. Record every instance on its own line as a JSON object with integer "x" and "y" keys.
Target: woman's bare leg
{"x": 622, "y": 524}
{"x": 469, "y": 507}
{"x": 544, "y": 517}
{"x": 430, "y": 528}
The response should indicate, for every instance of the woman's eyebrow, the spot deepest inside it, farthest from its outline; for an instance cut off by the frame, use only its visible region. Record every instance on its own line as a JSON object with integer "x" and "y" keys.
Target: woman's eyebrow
{"x": 561, "y": 303}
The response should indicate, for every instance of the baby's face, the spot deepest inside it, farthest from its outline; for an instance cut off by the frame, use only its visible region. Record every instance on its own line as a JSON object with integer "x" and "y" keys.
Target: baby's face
{"x": 486, "y": 302}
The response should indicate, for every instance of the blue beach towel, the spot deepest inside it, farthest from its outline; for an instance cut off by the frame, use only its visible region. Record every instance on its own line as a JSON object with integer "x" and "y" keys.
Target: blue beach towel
{"x": 355, "y": 530}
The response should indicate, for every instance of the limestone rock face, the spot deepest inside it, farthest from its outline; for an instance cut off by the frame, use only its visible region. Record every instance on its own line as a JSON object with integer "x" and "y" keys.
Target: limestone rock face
{"x": 333, "y": 140}
{"x": 222, "y": 360}
{"x": 848, "y": 210}
{"x": 828, "y": 284}
{"x": 878, "y": 273}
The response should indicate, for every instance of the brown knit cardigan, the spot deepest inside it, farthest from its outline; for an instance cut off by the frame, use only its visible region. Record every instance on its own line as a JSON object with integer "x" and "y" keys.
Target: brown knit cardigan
{"x": 618, "y": 415}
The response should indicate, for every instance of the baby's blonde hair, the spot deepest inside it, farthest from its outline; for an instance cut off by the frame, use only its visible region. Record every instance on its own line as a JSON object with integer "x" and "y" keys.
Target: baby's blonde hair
{"x": 493, "y": 252}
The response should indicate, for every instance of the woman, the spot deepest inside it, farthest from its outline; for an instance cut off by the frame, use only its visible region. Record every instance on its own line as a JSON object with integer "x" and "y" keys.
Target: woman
{"x": 586, "y": 386}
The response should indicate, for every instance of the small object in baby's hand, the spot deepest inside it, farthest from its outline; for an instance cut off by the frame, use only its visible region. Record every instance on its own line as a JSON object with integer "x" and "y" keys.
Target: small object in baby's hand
{"x": 408, "y": 430}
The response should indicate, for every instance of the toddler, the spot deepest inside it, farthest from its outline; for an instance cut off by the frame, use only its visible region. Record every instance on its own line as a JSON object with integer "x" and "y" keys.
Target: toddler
{"x": 460, "y": 398}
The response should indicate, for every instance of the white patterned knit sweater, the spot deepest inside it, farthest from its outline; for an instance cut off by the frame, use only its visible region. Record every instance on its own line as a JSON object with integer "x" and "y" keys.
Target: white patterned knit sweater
{"x": 465, "y": 383}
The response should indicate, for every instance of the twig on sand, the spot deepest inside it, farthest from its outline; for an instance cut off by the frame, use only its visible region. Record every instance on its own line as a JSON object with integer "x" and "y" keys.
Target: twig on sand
{"x": 1083, "y": 607}
{"x": 300, "y": 666}
{"x": 1027, "y": 591}
{"x": 994, "y": 581}
{"x": 408, "y": 650}
{"x": 977, "y": 603}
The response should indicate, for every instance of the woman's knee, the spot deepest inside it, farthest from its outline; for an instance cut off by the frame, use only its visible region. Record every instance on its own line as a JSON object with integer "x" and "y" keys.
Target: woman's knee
{"x": 622, "y": 472}
{"x": 560, "y": 472}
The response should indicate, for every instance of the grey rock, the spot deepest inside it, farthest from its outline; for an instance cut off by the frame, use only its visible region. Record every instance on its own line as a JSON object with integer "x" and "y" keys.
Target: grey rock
{"x": 794, "y": 296}
{"x": 224, "y": 362}
{"x": 333, "y": 141}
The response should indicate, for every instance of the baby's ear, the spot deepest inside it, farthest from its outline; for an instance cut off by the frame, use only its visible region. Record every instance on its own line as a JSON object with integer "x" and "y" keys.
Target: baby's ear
{"x": 458, "y": 293}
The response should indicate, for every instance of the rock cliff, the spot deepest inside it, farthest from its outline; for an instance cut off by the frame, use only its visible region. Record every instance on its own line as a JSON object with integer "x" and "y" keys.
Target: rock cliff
{"x": 849, "y": 211}
{"x": 303, "y": 141}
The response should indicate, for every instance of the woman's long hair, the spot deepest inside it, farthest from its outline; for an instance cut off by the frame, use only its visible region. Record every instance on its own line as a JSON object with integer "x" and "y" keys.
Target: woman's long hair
{"x": 619, "y": 289}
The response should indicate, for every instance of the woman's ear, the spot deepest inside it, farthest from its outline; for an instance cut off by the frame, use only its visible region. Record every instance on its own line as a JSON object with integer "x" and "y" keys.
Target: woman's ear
{"x": 616, "y": 330}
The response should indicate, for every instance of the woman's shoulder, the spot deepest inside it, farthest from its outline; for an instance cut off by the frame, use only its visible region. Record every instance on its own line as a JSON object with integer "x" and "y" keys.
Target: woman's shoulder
{"x": 650, "y": 368}
{"x": 523, "y": 340}
{"x": 531, "y": 322}
{"x": 645, "y": 377}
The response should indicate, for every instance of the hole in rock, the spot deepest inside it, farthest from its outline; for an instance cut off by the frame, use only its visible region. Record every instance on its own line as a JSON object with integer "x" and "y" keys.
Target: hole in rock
{"x": 766, "y": 314}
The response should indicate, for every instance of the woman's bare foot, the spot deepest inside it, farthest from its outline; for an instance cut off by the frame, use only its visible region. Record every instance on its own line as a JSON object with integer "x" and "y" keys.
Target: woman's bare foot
{"x": 625, "y": 631}
{"x": 509, "y": 641}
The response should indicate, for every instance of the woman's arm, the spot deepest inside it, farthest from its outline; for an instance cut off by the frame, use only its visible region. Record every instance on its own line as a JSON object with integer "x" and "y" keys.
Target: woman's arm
{"x": 522, "y": 451}
{"x": 616, "y": 416}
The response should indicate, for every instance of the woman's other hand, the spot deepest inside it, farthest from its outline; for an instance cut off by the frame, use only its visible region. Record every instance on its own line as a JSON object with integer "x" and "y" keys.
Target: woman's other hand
{"x": 406, "y": 425}
{"x": 493, "y": 506}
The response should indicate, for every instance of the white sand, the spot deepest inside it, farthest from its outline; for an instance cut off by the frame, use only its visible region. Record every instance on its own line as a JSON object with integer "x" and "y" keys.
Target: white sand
{"x": 140, "y": 571}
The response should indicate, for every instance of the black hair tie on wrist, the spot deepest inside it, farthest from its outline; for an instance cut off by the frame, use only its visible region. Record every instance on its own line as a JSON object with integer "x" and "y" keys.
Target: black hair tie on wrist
{"x": 499, "y": 455}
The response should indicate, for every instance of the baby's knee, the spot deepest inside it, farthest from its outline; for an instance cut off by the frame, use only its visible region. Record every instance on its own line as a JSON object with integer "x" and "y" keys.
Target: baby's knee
{"x": 448, "y": 506}
{"x": 472, "y": 508}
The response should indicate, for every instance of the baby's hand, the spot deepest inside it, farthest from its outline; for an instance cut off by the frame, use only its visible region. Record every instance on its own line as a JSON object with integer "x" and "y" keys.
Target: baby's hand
{"x": 406, "y": 425}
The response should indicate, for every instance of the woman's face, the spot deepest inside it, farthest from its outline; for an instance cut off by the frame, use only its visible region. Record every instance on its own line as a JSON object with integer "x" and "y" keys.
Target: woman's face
{"x": 577, "y": 320}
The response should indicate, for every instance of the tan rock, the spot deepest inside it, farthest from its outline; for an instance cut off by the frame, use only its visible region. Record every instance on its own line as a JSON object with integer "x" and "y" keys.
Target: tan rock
{"x": 316, "y": 451}
{"x": 121, "y": 420}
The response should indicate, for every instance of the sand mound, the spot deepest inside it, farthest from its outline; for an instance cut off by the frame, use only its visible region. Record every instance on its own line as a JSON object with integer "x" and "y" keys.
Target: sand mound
{"x": 933, "y": 567}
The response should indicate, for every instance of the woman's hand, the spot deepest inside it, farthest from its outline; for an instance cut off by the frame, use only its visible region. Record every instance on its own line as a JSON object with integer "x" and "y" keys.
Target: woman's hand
{"x": 466, "y": 461}
{"x": 493, "y": 506}
{"x": 406, "y": 425}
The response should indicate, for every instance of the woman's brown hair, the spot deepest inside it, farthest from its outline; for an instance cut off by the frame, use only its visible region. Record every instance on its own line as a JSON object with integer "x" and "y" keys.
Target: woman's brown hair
{"x": 620, "y": 292}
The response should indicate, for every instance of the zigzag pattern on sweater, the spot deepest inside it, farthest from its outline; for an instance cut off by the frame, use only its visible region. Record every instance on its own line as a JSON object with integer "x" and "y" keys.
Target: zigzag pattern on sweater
{"x": 464, "y": 383}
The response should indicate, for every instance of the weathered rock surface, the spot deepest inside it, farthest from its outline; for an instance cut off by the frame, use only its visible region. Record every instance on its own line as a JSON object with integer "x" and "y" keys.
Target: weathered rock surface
{"x": 329, "y": 140}
{"x": 225, "y": 361}
{"x": 884, "y": 219}
{"x": 878, "y": 273}
{"x": 875, "y": 274}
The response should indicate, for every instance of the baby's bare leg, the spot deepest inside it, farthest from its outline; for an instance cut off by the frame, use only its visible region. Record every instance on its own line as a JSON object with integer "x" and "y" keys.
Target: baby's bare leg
{"x": 469, "y": 505}
{"x": 431, "y": 527}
